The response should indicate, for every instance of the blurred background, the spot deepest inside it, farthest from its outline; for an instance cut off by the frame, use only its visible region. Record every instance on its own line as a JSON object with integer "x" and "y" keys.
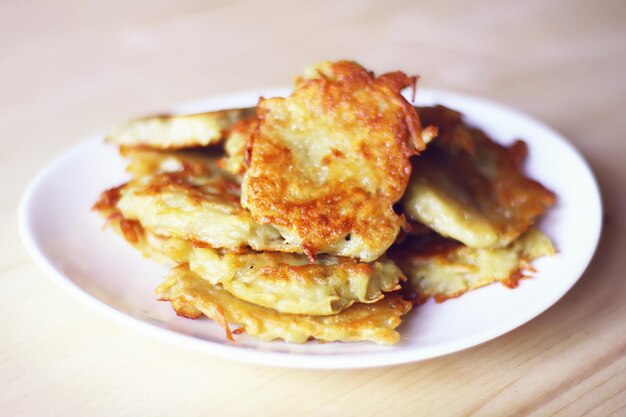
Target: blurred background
{"x": 72, "y": 68}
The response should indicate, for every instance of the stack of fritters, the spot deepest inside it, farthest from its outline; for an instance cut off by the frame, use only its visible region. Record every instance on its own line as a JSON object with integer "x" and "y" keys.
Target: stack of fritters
{"x": 478, "y": 208}
{"x": 282, "y": 219}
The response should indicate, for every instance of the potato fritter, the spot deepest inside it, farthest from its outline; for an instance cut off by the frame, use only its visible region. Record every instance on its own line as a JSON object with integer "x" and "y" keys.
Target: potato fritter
{"x": 167, "y": 251}
{"x": 178, "y": 131}
{"x": 144, "y": 161}
{"x": 328, "y": 162}
{"x": 467, "y": 187}
{"x": 303, "y": 222}
{"x": 203, "y": 209}
{"x": 290, "y": 283}
{"x": 286, "y": 282}
{"x": 200, "y": 202}
{"x": 235, "y": 145}
{"x": 443, "y": 268}
{"x": 191, "y": 295}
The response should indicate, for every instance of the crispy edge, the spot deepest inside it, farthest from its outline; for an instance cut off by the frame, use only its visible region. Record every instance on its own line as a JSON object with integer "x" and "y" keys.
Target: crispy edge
{"x": 436, "y": 248}
{"x": 375, "y": 321}
{"x": 517, "y": 200}
{"x": 153, "y": 131}
{"x": 171, "y": 251}
{"x": 237, "y": 148}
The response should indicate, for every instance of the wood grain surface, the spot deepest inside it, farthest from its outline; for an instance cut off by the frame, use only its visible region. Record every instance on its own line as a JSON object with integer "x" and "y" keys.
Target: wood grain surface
{"x": 72, "y": 68}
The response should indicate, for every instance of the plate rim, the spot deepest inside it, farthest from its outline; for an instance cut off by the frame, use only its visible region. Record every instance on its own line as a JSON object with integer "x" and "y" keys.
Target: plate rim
{"x": 285, "y": 359}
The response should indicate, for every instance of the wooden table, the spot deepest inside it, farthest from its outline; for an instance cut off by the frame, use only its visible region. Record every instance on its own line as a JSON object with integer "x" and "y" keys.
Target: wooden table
{"x": 68, "y": 69}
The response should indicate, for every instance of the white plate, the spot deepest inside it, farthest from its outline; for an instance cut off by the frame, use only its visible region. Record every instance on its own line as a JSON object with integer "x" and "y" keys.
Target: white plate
{"x": 66, "y": 239}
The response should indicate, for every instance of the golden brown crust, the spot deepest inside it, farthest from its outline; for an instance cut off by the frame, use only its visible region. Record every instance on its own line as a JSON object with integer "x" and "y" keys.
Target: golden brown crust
{"x": 285, "y": 282}
{"x": 330, "y": 160}
{"x": 185, "y": 308}
{"x": 218, "y": 187}
{"x": 145, "y": 161}
{"x": 236, "y": 146}
{"x": 162, "y": 249}
{"x": 372, "y": 322}
{"x": 178, "y": 131}
{"x": 444, "y": 268}
{"x": 470, "y": 188}
{"x": 202, "y": 209}
{"x": 289, "y": 283}
{"x": 322, "y": 172}
{"x": 108, "y": 199}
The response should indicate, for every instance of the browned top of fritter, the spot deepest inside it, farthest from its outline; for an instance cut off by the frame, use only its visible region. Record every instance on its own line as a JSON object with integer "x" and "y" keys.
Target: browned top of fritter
{"x": 190, "y": 296}
{"x": 236, "y": 145}
{"x": 480, "y": 175}
{"x": 328, "y": 162}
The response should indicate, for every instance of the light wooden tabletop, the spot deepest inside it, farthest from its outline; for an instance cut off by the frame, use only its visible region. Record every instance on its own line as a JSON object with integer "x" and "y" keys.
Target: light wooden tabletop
{"x": 68, "y": 69}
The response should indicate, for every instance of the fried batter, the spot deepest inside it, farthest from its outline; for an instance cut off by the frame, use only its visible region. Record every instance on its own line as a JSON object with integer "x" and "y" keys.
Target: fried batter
{"x": 203, "y": 209}
{"x": 200, "y": 203}
{"x": 443, "y": 268}
{"x": 285, "y": 235}
{"x": 235, "y": 146}
{"x": 168, "y": 251}
{"x": 178, "y": 131}
{"x": 286, "y": 282}
{"x": 290, "y": 283}
{"x": 191, "y": 295}
{"x": 469, "y": 188}
{"x": 328, "y": 162}
{"x": 144, "y": 161}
